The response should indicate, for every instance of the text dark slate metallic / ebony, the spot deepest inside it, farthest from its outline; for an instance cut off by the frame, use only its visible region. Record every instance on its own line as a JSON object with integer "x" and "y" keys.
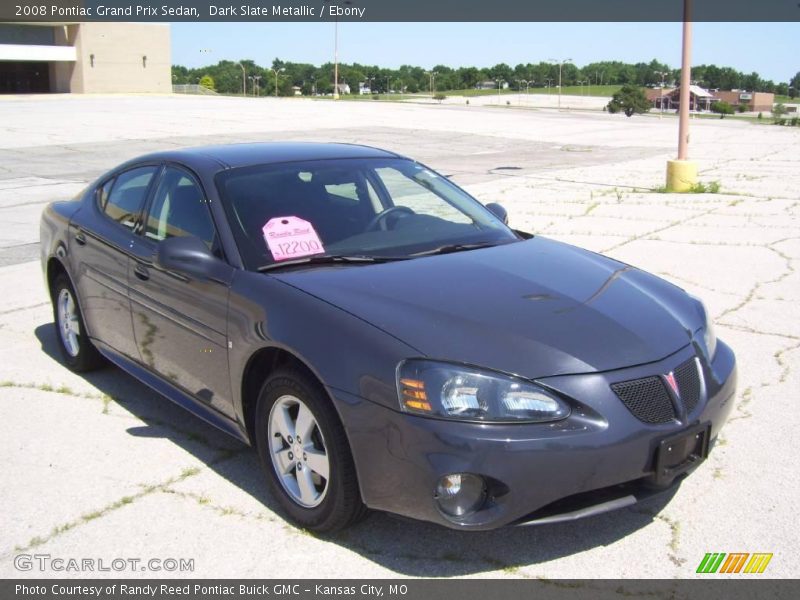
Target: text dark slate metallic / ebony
{"x": 384, "y": 340}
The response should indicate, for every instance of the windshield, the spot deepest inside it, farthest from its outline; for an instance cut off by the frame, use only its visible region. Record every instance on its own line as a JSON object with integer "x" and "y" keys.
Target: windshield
{"x": 382, "y": 208}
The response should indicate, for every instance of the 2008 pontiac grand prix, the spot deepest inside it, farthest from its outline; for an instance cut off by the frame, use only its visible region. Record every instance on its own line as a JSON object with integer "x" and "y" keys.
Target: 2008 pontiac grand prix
{"x": 382, "y": 338}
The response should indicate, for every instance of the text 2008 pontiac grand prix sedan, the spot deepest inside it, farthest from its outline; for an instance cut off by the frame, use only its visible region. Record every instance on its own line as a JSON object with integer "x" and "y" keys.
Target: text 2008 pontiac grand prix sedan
{"x": 383, "y": 339}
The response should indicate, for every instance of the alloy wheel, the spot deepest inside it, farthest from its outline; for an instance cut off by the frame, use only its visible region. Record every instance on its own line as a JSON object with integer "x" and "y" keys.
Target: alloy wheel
{"x": 298, "y": 451}
{"x": 68, "y": 322}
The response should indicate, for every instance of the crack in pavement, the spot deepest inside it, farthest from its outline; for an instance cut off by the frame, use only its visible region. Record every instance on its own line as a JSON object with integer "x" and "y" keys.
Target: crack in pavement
{"x": 88, "y": 517}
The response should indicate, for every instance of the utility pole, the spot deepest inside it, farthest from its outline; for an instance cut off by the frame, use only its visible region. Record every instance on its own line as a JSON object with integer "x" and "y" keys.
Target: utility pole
{"x": 560, "y": 64}
{"x": 336, "y": 52}
{"x": 682, "y": 173}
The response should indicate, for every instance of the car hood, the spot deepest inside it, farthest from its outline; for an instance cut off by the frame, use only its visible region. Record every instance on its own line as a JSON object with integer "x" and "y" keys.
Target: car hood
{"x": 535, "y": 308}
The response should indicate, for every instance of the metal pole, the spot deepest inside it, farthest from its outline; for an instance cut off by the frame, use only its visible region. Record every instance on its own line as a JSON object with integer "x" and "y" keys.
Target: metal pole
{"x": 276, "y": 81}
{"x": 681, "y": 172}
{"x": 561, "y": 64}
{"x": 686, "y": 76}
{"x": 244, "y": 80}
{"x": 336, "y": 59}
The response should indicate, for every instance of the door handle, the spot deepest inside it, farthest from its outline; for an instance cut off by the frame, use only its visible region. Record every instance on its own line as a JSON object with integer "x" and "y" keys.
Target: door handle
{"x": 141, "y": 272}
{"x": 80, "y": 239}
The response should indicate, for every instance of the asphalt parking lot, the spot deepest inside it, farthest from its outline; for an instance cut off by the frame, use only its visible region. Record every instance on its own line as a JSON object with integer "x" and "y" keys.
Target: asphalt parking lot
{"x": 100, "y": 467}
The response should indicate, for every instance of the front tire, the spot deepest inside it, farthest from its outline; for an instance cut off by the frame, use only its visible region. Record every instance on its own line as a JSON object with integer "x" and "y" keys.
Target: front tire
{"x": 305, "y": 454}
{"x": 76, "y": 348}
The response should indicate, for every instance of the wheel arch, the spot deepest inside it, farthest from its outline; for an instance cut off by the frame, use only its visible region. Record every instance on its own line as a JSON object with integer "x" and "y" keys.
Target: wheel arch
{"x": 263, "y": 363}
{"x": 56, "y": 267}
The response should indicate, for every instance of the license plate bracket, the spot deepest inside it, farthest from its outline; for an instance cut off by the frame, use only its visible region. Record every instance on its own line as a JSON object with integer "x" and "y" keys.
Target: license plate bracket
{"x": 682, "y": 452}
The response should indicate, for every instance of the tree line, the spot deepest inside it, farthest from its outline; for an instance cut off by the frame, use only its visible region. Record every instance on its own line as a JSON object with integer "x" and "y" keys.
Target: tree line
{"x": 227, "y": 77}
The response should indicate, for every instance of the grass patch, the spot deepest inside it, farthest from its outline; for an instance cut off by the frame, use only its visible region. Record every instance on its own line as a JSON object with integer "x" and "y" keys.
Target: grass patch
{"x": 712, "y": 187}
{"x": 189, "y": 472}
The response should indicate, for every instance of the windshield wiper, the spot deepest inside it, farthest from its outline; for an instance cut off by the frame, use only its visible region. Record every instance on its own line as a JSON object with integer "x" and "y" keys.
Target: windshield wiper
{"x": 450, "y": 248}
{"x": 334, "y": 259}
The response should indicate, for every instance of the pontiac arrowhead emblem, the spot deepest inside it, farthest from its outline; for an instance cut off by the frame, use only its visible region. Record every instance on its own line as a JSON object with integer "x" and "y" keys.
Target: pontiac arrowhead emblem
{"x": 673, "y": 383}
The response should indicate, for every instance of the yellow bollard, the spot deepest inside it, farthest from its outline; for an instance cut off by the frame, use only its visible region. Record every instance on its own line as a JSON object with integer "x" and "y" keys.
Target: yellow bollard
{"x": 681, "y": 175}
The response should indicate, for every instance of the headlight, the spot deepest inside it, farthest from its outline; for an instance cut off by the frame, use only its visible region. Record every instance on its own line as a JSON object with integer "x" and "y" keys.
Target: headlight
{"x": 449, "y": 391}
{"x": 709, "y": 335}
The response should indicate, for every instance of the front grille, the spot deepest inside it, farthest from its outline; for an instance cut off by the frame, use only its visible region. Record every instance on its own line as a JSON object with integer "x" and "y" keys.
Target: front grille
{"x": 688, "y": 380}
{"x": 647, "y": 399}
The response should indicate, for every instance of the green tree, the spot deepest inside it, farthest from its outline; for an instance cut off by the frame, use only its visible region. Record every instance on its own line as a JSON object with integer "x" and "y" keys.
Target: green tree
{"x": 207, "y": 82}
{"x": 468, "y": 77}
{"x": 722, "y": 108}
{"x": 778, "y": 111}
{"x": 794, "y": 85}
{"x": 180, "y": 74}
{"x": 629, "y": 99}
{"x": 502, "y": 72}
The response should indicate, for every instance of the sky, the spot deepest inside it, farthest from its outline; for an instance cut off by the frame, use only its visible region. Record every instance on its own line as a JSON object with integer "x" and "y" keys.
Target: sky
{"x": 770, "y": 49}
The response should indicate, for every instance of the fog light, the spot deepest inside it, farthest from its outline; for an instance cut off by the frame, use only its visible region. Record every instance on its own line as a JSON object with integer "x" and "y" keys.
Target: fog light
{"x": 460, "y": 494}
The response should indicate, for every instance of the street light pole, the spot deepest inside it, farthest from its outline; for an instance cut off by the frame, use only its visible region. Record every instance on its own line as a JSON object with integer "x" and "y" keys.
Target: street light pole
{"x": 431, "y": 80}
{"x": 519, "y": 84}
{"x": 336, "y": 59}
{"x": 682, "y": 173}
{"x": 662, "y": 74}
{"x": 276, "y": 71}
{"x": 686, "y": 79}
{"x": 244, "y": 80}
{"x": 560, "y": 66}
{"x": 336, "y": 52}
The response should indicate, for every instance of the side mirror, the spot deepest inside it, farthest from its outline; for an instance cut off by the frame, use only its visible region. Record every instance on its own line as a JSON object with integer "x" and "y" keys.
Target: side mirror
{"x": 187, "y": 255}
{"x": 498, "y": 211}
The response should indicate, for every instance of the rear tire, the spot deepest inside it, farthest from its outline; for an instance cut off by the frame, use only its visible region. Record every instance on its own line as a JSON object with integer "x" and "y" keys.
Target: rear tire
{"x": 76, "y": 348}
{"x": 305, "y": 454}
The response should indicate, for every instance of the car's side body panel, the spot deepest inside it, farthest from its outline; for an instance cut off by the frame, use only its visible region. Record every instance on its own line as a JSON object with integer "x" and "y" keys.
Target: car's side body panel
{"x": 342, "y": 350}
{"x": 180, "y": 325}
{"x": 181, "y": 398}
{"x": 54, "y": 230}
{"x": 180, "y": 322}
{"x": 99, "y": 269}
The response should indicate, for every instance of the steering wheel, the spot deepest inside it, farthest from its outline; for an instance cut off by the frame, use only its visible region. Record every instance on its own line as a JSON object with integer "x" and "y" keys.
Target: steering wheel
{"x": 379, "y": 220}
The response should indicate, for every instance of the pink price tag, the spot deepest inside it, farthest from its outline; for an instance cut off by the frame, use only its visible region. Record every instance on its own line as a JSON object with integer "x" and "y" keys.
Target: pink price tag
{"x": 291, "y": 237}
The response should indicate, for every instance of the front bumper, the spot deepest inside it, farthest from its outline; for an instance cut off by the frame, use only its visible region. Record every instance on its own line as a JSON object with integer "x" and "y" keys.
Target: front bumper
{"x": 531, "y": 469}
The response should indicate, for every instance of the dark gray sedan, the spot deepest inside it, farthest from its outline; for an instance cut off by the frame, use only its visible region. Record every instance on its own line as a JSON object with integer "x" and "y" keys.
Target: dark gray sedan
{"x": 383, "y": 339}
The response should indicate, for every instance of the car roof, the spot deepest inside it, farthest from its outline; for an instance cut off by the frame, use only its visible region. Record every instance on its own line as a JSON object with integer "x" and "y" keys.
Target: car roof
{"x": 230, "y": 156}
